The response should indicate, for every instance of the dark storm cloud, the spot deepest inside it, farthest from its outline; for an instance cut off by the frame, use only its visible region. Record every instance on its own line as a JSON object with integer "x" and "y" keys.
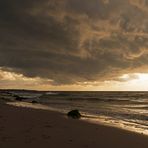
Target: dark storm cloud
{"x": 72, "y": 41}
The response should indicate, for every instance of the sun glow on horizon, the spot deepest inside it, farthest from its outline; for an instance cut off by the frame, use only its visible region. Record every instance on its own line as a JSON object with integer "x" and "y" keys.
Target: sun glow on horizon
{"x": 125, "y": 82}
{"x": 131, "y": 82}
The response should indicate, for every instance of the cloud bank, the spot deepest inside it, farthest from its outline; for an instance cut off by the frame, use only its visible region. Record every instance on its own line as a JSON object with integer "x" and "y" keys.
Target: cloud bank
{"x": 73, "y": 41}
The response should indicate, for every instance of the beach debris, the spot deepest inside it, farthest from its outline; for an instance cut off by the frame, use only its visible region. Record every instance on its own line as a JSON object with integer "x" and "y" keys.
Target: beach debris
{"x": 18, "y": 98}
{"x": 34, "y": 102}
{"x": 75, "y": 114}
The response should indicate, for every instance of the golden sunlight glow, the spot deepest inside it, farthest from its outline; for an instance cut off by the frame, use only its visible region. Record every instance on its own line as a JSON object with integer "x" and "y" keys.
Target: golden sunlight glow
{"x": 143, "y": 77}
{"x": 140, "y": 83}
{"x": 126, "y": 82}
{"x": 131, "y": 82}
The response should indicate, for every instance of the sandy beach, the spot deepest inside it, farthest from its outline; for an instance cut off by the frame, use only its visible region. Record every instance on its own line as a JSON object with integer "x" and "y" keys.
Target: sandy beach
{"x": 29, "y": 128}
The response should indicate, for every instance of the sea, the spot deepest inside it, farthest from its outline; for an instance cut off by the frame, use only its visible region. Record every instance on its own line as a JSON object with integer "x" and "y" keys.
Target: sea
{"x": 126, "y": 110}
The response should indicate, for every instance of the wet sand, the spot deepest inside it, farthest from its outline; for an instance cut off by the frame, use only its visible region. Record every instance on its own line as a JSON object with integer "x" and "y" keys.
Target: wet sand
{"x": 30, "y": 128}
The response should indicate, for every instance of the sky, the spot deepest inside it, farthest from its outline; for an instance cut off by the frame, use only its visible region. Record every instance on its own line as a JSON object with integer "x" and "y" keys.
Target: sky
{"x": 74, "y": 44}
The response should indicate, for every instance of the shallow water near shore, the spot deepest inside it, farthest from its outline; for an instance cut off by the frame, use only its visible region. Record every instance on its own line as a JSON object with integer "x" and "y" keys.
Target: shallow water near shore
{"x": 126, "y": 110}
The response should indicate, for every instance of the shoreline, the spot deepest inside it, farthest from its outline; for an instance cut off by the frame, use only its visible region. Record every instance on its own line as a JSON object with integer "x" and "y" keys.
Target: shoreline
{"x": 26, "y": 127}
{"x": 98, "y": 120}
